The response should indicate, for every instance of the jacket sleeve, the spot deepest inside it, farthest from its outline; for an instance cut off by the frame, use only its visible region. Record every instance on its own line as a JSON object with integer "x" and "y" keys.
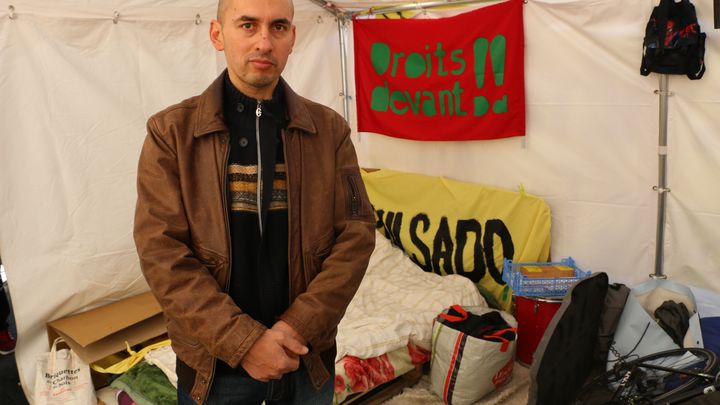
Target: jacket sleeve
{"x": 316, "y": 313}
{"x": 181, "y": 275}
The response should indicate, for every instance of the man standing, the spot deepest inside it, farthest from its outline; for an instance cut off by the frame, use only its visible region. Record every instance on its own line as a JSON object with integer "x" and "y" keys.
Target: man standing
{"x": 252, "y": 223}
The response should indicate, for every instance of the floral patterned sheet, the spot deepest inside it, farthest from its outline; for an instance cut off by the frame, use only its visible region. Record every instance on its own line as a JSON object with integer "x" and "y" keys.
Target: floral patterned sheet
{"x": 355, "y": 375}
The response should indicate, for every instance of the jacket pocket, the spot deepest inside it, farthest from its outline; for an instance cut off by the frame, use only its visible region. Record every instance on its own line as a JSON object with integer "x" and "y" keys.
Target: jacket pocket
{"x": 357, "y": 205}
{"x": 189, "y": 352}
{"x": 317, "y": 254}
{"x": 211, "y": 260}
{"x": 181, "y": 339}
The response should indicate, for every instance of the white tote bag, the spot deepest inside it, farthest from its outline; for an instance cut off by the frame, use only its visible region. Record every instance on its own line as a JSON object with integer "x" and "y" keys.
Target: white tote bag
{"x": 63, "y": 378}
{"x": 464, "y": 368}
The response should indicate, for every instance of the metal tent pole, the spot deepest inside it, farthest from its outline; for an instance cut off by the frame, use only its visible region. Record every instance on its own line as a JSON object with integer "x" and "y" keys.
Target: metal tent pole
{"x": 342, "y": 18}
{"x": 662, "y": 188}
{"x": 342, "y": 27}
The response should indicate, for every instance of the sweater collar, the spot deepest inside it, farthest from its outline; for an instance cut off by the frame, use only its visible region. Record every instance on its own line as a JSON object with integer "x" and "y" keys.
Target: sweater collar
{"x": 237, "y": 102}
{"x": 210, "y": 109}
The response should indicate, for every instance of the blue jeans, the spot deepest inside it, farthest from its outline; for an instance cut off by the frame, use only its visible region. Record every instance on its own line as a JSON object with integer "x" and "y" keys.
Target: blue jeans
{"x": 238, "y": 390}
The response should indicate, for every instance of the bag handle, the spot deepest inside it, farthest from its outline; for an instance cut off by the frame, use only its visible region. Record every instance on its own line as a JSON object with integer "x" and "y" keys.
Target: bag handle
{"x": 134, "y": 358}
{"x": 53, "y": 353}
{"x": 498, "y": 335}
{"x": 455, "y": 318}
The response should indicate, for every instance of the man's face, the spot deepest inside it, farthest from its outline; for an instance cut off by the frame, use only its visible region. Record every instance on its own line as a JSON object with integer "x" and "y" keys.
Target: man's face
{"x": 257, "y": 38}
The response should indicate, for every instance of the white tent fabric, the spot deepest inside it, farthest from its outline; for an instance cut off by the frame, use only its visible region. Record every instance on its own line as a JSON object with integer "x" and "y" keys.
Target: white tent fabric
{"x": 77, "y": 89}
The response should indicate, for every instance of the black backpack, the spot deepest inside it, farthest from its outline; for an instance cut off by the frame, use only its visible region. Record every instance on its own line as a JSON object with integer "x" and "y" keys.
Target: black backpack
{"x": 673, "y": 42}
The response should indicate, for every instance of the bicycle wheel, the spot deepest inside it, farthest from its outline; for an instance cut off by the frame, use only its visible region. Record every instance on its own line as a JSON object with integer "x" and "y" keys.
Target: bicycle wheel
{"x": 638, "y": 382}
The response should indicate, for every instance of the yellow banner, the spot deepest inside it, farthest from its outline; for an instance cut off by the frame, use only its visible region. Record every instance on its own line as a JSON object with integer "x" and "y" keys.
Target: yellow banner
{"x": 453, "y": 227}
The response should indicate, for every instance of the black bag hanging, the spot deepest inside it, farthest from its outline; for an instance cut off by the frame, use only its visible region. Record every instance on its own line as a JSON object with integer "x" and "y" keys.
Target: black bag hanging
{"x": 673, "y": 42}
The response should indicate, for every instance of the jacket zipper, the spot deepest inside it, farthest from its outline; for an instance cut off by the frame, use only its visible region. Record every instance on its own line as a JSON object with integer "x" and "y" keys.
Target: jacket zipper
{"x": 354, "y": 200}
{"x": 258, "y": 113}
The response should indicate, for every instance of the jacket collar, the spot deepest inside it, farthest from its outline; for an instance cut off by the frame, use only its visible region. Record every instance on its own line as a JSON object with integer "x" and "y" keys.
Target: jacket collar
{"x": 211, "y": 118}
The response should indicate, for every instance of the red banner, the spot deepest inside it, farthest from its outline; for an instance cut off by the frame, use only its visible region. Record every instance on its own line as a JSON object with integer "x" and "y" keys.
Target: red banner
{"x": 450, "y": 79}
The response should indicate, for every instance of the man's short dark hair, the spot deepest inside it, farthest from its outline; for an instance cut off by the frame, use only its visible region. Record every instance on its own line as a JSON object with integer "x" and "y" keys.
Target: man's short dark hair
{"x": 223, "y": 5}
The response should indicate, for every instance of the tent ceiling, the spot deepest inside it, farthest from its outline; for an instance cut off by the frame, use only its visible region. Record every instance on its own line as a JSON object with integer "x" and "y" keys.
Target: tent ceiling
{"x": 173, "y": 8}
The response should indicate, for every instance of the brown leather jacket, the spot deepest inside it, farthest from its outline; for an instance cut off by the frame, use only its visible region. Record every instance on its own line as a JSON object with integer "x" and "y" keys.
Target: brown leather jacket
{"x": 182, "y": 231}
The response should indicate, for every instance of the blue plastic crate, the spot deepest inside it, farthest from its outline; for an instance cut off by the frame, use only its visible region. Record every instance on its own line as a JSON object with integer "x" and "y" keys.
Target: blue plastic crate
{"x": 525, "y": 286}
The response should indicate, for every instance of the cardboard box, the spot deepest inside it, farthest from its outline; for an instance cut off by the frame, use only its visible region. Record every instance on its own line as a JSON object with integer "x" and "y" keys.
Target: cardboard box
{"x": 547, "y": 271}
{"x": 100, "y": 332}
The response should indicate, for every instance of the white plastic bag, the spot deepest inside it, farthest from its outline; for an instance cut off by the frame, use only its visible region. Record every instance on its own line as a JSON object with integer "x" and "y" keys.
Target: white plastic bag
{"x": 638, "y": 334}
{"x": 464, "y": 368}
{"x": 62, "y": 378}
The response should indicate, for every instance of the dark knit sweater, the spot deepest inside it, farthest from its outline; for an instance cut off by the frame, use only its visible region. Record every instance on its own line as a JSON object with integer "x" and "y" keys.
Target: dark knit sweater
{"x": 259, "y": 274}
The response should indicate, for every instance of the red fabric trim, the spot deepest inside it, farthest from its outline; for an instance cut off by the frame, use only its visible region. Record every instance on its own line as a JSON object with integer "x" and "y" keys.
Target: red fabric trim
{"x": 451, "y": 369}
{"x": 498, "y": 335}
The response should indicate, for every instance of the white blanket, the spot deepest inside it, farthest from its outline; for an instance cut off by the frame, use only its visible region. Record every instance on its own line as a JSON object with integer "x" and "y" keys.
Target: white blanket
{"x": 396, "y": 304}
